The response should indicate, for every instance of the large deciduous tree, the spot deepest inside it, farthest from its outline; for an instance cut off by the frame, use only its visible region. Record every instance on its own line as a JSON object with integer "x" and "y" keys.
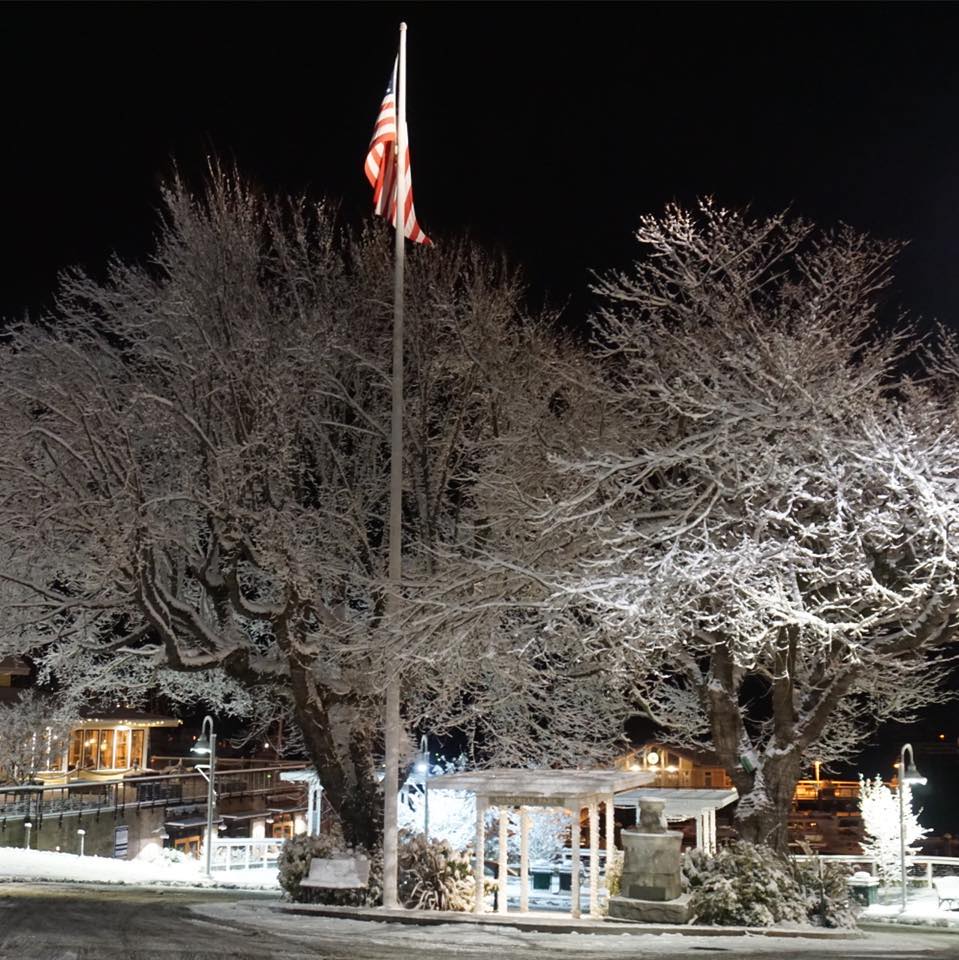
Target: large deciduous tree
{"x": 194, "y": 457}
{"x": 761, "y": 524}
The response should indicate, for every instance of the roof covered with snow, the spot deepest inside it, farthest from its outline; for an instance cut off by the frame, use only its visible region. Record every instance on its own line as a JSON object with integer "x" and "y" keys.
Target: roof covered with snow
{"x": 544, "y": 787}
{"x": 681, "y": 802}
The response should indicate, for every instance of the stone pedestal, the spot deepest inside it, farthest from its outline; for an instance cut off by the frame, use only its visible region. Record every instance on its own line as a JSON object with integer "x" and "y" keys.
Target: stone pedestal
{"x": 650, "y": 911}
{"x": 651, "y": 886}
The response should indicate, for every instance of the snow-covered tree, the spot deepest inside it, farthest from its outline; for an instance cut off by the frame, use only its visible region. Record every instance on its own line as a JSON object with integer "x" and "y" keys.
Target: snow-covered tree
{"x": 881, "y": 825}
{"x": 34, "y": 735}
{"x": 193, "y": 481}
{"x": 756, "y": 526}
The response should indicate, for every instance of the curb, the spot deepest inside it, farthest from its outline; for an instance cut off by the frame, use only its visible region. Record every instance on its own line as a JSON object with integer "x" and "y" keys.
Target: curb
{"x": 885, "y": 926}
{"x": 432, "y": 918}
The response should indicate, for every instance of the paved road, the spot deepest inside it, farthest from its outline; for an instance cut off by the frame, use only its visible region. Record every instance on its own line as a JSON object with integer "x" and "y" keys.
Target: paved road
{"x": 72, "y": 922}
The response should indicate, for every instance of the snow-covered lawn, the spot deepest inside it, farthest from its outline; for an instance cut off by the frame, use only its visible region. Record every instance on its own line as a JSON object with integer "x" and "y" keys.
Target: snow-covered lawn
{"x": 921, "y": 909}
{"x": 19, "y": 864}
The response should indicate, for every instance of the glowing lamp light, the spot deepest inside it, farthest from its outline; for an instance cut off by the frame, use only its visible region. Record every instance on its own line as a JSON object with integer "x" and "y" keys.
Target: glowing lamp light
{"x": 911, "y": 775}
{"x": 652, "y": 758}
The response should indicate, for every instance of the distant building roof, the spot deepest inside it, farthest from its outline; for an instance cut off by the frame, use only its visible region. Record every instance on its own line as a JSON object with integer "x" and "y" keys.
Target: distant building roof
{"x": 14, "y": 666}
{"x": 124, "y": 715}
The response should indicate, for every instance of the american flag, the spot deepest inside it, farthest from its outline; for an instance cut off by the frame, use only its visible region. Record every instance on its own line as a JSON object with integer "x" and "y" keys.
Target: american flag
{"x": 380, "y": 168}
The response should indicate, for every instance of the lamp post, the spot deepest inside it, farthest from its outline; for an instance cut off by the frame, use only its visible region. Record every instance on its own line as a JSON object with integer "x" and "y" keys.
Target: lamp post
{"x": 81, "y": 833}
{"x": 906, "y": 775}
{"x": 423, "y": 769}
{"x": 206, "y": 745}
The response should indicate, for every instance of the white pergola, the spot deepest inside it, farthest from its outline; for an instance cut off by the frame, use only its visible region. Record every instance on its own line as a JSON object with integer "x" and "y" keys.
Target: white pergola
{"x": 314, "y": 792}
{"x": 685, "y": 803}
{"x": 571, "y": 790}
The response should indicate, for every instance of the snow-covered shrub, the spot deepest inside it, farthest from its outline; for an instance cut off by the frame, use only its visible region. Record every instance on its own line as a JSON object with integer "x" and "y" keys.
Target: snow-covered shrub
{"x": 880, "y": 820}
{"x": 434, "y": 876}
{"x": 614, "y": 873}
{"x": 751, "y": 885}
{"x": 294, "y": 864}
{"x": 826, "y": 889}
{"x": 172, "y": 855}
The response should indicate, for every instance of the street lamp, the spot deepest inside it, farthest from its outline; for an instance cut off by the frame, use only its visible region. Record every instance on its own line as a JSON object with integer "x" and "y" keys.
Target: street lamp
{"x": 906, "y": 775}
{"x": 422, "y": 767}
{"x": 207, "y": 745}
{"x": 81, "y": 833}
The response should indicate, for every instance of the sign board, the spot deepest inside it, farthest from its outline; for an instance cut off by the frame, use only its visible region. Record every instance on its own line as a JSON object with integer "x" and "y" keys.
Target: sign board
{"x": 121, "y": 837}
{"x": 528, "y": 800}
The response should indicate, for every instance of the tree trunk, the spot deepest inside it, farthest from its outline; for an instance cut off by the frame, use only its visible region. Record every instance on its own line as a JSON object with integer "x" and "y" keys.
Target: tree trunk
{"x": 765, "y": 801}
{"x": 338, "y": 736}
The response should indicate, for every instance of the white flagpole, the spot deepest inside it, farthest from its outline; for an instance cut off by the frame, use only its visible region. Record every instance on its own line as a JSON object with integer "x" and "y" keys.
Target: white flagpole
{"x": 391, "y": 784}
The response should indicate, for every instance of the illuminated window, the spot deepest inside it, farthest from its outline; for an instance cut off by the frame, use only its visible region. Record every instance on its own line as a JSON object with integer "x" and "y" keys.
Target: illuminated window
{"x": 90, "y": 738}
{"x": 76, "y": 748}
{"x": 105, "y": 759}
{"x": 136, "y": 749}
{"x": 123, "y": 749}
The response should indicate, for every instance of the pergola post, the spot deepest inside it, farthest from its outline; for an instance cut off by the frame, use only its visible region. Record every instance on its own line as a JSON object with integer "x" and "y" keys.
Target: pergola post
{"x": 610, "y": 837}
{"x": 524, "y": 860}
{"x": 593, "y": 857}
{"x": 701, "y": 830}
{"x": 478, "y": 870}
{"x": 574, "y": 857}
{"x": 712, "y": 829}
{"x": 503, "y": 858}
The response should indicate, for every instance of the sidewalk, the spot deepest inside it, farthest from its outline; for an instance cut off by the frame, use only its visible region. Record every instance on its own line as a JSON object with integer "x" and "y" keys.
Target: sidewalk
{"x": 544, "y": 922}
{"x": 922, "y": 910}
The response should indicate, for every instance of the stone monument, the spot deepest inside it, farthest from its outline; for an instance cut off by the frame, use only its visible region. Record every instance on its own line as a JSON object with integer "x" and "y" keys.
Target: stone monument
{"x": 651, "y": 888}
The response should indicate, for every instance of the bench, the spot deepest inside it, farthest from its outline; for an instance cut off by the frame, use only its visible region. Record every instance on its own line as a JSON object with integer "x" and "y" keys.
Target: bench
{"x": 350, "y": 873}
{"x": 947, "y": 889}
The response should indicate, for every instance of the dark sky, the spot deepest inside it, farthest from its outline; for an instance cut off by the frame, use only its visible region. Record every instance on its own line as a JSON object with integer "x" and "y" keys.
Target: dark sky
{"x": 545, "y": 129}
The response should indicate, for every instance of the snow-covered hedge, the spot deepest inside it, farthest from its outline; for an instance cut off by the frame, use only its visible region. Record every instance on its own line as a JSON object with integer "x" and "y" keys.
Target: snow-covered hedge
{"x": 294, "y": 865}
{"x": 432, "y": 876}
{"x": 750, "y": 885}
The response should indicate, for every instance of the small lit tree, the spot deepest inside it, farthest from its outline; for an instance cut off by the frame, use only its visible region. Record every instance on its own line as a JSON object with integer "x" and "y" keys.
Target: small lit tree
{"x": 33, "y": 735}
{"x": 881, "y": 823}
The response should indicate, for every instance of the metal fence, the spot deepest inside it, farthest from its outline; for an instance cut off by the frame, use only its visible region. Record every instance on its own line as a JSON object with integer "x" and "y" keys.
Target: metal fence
{"x": 244, "y": 854}
{"x": 175, "y": 789}
{"x": 924, "y": 868}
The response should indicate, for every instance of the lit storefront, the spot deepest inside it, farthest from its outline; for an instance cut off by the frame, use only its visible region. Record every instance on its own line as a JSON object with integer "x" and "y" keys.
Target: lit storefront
{"x": 109, "y": 745}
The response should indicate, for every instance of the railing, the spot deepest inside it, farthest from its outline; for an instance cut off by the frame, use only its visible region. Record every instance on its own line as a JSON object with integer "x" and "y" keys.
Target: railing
{"x": 244, "y": 854}
{"x": 164, "y": 763}
{"x": 179, "y": 789}
{"x": 929, "y": 863}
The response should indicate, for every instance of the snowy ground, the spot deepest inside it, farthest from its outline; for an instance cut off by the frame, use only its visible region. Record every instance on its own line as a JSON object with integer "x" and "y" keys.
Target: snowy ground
{"x": 922, "y": 909}
{"x": 368, "y": 939}
{"x": 19, "y": 864}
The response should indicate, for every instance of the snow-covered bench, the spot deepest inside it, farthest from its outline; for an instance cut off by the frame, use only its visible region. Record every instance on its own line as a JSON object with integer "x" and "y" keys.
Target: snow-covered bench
{"x": 947, "y": 889}
{"x": 348, "y": 873}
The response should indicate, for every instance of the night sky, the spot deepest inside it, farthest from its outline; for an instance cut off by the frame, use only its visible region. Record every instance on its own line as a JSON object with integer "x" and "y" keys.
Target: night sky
{"x": 544, "y": 130}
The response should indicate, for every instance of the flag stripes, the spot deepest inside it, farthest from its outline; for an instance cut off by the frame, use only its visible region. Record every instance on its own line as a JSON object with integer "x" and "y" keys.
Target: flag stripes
{"x": 380, "y": 168}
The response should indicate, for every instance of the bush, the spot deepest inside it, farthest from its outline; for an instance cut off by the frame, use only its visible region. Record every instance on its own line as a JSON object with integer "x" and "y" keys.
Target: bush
{"x": 827, "y": 897}
{"x": 433, "y": 876}
{"x": 751, "y": 885}
{"x": 294, "y": 865}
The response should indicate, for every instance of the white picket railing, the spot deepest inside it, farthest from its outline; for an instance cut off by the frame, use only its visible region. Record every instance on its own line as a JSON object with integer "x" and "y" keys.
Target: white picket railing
{"x": 242, "y": 853}
{"x": 929, "y": 863}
